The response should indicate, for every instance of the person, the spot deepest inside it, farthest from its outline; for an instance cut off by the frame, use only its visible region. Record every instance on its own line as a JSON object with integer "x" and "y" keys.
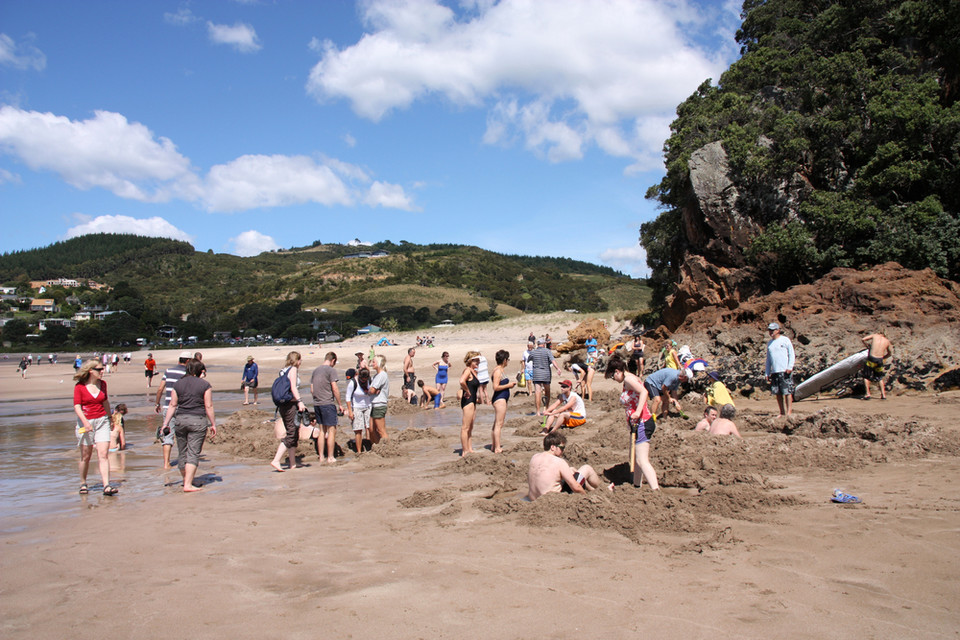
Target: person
{"x": 550, "y": 473}
{"x": 541, "y": 360}
{"x": 380, "y": 390}
{"x": 724, "y": 426}
{"x": 250, "y": 379}
{"x": 663, "y": 383}
{"x": 778, "y": 368}
{"x": 92, "y": 407}
{"x": 590, "y": 343}
{"x": 50, "y": 358}
{"x": 199, "y": 358}
{"x": 22, "y": 367}
{"x": 671, "y": 357}
{"x": 118, "y": 437}
{"x": 470, "y": 387}
{"x": 191, "y": 400}
{"x": 430, "y": 397}
{"x": 717, "y": 393}
{"x": 361, "y": 360}
{"x": 532, "y": 339}
{"x": 326, "y": 403}
{"x": 483, "y": 375}
{"x": 409, "y": 376}
{"x": 634, "y": 400}
{"x": 880, "y": 349}
{"x": 359, "y": 405}
{"x": 591, "y": 364}
{"x": 171, "y": 376}
{"x": 442, "y": 367}
{"x": 548, "y": 342}
{"x": 288, "y": 413}
{"x": 527, "y": 365}
{"x": 77, "y": 363}
{"x": 501, "y": 395}
{"x": 709, "y": 415}
{"x": 566, "y": 411}
{"x": 579, "y": 373}
{"x": 150, "y": 369}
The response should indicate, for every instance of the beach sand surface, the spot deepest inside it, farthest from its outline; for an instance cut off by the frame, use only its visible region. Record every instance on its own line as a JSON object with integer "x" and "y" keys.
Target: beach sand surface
{"x": 410, "y": 541}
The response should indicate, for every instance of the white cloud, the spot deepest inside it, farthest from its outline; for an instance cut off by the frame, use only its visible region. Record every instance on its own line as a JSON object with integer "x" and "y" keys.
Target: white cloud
{"x": 272, "y": 181}
{"x": 21, "y": 56}
{"x": 560, "y": 75}
{"x": 391, "y": 196}
{"x": 155, "y": 227}
{"x": 252, "y": 243}
{"x": 9, "y": 176}
{"x": 181, "y": 18}
{"x": 104, "y": 151}
{"x": 240, "y": 36}
{"x": 631, "y": 260}
{"x": 128, "y": 159}
{"x": 349, "y": 140}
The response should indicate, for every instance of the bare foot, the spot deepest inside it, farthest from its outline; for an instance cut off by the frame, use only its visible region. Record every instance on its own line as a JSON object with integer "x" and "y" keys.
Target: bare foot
{"x": 276, "y": 466}
{"x": 331, "y": 460}
{"x": 500, "y": 450}
{"x": 191, "y": 489}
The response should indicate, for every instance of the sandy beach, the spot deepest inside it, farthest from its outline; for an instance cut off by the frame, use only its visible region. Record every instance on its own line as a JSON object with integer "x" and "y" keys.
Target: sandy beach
{"x": 410, "y": 541}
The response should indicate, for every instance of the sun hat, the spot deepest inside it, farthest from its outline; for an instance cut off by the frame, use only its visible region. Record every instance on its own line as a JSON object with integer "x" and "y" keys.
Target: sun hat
{"x": 773, "y": 326}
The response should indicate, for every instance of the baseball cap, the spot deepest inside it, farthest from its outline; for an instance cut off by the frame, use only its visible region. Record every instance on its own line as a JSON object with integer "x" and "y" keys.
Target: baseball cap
{"x": 541, "y": 341}
{"x": 773, "y": 326}
{"x": 186, "y": 354}
{"x": 566, "y": 383}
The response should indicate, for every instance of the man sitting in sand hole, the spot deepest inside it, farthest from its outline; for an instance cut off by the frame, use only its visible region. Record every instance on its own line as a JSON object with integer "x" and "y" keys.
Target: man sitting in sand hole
{"x": 566, "y": 411}
{"x": 709, "y": 415}
{"x": 431, "y": 398}
{"x": 550, "y": 473}
{"x": 723, "y": 426}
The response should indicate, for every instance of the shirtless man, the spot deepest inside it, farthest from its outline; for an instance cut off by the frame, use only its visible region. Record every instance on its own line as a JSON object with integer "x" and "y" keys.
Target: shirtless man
{"x": 431, "y": 398}
{"x": 409, "y": 375}
{"x": 723, "y": 426}
{"x": 880, "y": 350}
{"x": 550, "y": 473}
{"x": 709, "y": 415}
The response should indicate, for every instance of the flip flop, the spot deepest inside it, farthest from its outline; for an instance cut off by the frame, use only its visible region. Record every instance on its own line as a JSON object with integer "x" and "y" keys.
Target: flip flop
{"x": 110, "y": 491}
{"x": 84, "y": 489}
{"x": 844, "y": 498}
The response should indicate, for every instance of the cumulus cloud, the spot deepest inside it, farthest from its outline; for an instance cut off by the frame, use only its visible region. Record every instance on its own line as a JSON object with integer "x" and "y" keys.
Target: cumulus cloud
{"x": 272, "y": 181}
{"x": 560, "y": 75}
{"x": 104, "y": 151}
{"x": 252, "y": 243}
{"x": 21, "y": 56}
{"x": 128, "y": 159}
{"x": 155, "y": 227}
{"x": 631, "y": 260}
{"x": 240, "y": 36}
{"x": 9, "y": 176}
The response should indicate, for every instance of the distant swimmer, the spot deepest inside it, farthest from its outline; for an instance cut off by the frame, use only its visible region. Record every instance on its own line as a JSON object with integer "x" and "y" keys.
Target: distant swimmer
{"x": 550, "y": 473}
{"x": 873, "y": 368}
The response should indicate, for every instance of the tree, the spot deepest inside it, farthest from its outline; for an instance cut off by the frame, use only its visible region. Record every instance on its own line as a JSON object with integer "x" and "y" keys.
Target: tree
{"x": 15, "y": 331}
{"x": 56, "y": 335}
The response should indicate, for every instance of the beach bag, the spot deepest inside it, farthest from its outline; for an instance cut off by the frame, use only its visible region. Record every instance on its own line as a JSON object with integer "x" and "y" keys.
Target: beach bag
{"x": 522, "y": 380}
{"x": 281, "y": 391}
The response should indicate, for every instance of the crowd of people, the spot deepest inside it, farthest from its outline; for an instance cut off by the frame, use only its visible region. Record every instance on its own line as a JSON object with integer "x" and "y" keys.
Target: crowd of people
{"x": 184, "y": 402}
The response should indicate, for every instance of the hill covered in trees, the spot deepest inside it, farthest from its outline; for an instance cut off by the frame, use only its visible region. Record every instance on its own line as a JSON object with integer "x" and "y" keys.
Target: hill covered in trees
{"x": 834, "y": 141}
{"x": 164, "y": 282}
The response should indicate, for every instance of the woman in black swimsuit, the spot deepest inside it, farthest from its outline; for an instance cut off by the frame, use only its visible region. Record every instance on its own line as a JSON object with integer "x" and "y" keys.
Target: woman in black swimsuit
{"x": 501, "y": 393}
{"x": 469, "y": 384}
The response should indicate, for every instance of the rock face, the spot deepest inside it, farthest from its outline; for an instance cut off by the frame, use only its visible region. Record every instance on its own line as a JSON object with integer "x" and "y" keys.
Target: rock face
{"x": 826, "y": 320}
{"x": 579, "y": 334}
{"x": 704, "y": 284}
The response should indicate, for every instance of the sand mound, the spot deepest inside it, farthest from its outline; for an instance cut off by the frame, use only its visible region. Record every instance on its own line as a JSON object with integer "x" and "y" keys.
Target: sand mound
{"x": 247, "y": 434}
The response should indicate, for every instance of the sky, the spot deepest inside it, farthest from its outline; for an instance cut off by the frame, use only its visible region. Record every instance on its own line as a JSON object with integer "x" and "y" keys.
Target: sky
{"x": 528, "y": 127}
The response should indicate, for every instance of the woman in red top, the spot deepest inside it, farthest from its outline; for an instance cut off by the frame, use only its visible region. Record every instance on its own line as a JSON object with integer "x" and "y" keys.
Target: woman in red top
{"x": 92, "y": 407}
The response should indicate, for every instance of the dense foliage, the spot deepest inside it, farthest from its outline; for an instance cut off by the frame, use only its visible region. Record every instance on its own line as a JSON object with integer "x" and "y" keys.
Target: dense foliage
{"x": 162, "y": 284}
{"x": 852, "y": 107}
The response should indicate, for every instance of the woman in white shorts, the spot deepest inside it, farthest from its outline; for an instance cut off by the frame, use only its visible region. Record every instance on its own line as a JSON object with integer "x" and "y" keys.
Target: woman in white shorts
{"x": 359, "y": 405}
{"x": 92, "y": 407}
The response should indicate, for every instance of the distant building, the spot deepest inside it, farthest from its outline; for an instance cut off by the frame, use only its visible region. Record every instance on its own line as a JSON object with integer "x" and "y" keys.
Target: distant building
{"x": 49, "y": 322}
{"x": 366, "y": 254}
{"x": 370, "y": 328}
{"x": 43, "y": 304}
{"x": 356, "y": 242}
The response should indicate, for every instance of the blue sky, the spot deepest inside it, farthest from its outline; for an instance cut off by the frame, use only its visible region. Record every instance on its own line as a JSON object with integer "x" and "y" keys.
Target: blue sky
{"x": 520, "y": 126}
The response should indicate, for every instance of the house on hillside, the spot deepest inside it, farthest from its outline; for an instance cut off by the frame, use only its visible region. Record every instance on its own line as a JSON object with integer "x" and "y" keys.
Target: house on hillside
{"x": 370, "y": 328}
{"x": 43, "y": 304}
{"x": 49, "y": 322}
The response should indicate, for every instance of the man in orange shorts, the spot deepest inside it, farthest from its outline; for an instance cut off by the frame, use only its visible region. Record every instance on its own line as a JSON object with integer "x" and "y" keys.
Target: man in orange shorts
{"x": 566, "y": 411}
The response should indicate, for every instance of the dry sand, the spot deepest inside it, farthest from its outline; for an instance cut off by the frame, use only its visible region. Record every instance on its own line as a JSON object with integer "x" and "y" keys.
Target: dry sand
{"x": 410, "y": 541}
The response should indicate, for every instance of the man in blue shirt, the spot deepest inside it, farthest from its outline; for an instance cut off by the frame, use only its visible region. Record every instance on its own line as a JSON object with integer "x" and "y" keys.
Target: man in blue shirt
{"x": 661, "y": 383}
{"x": 779, "y": 368}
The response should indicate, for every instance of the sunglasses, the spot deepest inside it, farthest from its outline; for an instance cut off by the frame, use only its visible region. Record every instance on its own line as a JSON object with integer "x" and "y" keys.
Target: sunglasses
{"x": 97, "y": 369}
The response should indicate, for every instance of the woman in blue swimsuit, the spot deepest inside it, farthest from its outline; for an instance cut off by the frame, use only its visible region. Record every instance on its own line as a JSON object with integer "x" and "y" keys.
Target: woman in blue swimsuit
{"x": 469, "y": 386}
{"x": 501, "y": 394}
{"x": 442, "y": 366}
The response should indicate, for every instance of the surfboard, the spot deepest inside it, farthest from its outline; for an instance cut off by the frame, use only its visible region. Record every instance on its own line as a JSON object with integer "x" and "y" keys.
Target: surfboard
{"x": 843, "y": 369}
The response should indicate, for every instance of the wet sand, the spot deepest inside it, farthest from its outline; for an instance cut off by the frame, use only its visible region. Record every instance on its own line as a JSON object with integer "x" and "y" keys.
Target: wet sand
{"x": 411, "y": 541}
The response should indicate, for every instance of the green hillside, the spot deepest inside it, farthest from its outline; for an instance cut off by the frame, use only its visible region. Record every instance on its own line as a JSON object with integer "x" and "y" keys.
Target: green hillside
{"x": 164, "y": 282}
